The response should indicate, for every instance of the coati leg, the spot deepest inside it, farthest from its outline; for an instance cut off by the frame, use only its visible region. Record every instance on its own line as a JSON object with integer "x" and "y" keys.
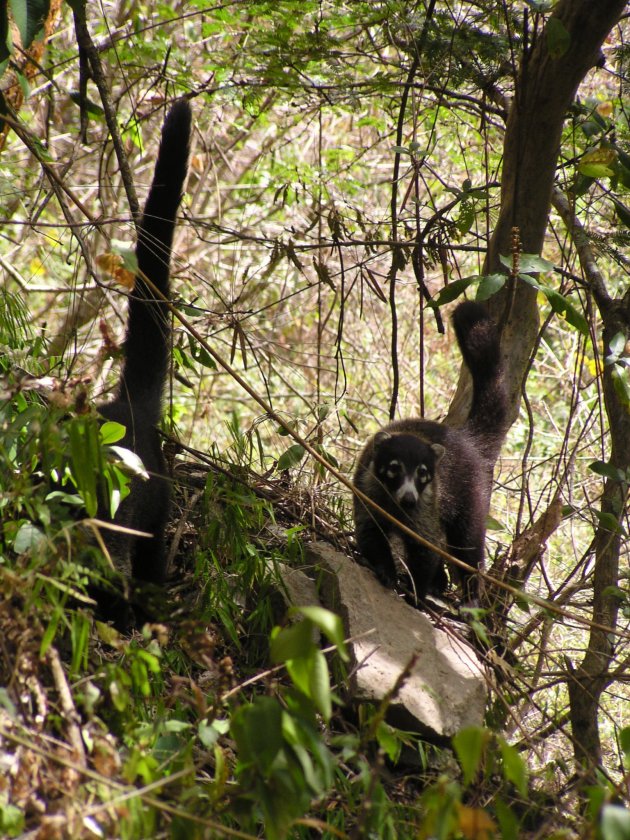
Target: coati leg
{"x": 376, "y": 552}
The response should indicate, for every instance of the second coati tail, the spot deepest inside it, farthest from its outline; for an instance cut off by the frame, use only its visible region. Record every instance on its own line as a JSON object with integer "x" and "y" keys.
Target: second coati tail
{"x": 478, "y": 341}
{"x": 138, "y": 404}
{"x": 459, "y": 461}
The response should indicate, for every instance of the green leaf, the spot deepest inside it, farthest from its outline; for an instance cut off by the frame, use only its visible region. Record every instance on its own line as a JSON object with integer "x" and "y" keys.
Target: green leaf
{"x": 319, "y": 684}
{"x": 292, "y": 642}
{"x": 490, "y": 285}
{"x": 508, "y": 822}
{"x": 619, "y": 376}
{"x": 617, "y": 346}
{"x": 595, "y": 170}
{"x": 624, "y": 742}
{"x": 112, "y": 432}
{"x": 528, "y": 263}
{"x": 560, "y": 304}
{"x": 609, "y": 522}
{"x": 290, "y": 457}
{"x": 469, "y": 745}
{"x": 514, "y": 768}
{"x": 493, "y": 524}
{"x": 615, "y": 592}
{"x": 28, "y": 538}
{"x": 200, "y": 354}
{"x": 466, "y": 217}
{"x": 328, "y": 622}
{"x": 131, "y": 461}
{"x": 558, "y": 39}
{"x": 454, "y": 290}
{"x": 615, "y": 824}
{"x": 257, "y": 730}
{"x": 607, "y": 470}
{"x": 388, "y": 741}
{"x": 29, "y": 17}
{"x": 299, "y": 670}
{"x": 91, "y": 108}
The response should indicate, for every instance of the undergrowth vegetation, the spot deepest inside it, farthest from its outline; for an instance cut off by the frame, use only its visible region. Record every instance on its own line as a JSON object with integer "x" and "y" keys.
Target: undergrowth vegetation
{"x": 304, "y": 305}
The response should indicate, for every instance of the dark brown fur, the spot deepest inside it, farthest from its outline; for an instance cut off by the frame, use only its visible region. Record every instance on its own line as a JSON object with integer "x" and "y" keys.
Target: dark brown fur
{"x": 463, "y": 475}
{"x": 138, "y": 404}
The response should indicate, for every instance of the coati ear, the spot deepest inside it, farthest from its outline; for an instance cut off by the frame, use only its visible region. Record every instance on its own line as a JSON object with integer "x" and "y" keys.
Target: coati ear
{"x": 439, "y": 451}
{"x": 381, "y": 437}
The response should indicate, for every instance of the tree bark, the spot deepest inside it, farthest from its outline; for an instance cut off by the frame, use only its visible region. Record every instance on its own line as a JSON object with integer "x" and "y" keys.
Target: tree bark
{"x": 546, "y": 86}
{"x": 587, "y": 682}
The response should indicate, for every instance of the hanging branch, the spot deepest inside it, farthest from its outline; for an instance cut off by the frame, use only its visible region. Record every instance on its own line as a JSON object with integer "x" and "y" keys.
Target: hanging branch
{"x": 397, "y": 255}
{"x": 87, "y": 49}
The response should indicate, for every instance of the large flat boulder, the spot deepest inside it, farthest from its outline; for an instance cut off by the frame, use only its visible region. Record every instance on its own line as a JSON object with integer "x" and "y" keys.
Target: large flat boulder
{"x": 445, "y": 690}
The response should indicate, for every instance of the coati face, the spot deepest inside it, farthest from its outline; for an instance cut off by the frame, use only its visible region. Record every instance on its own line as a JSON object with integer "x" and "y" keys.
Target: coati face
{"x": 405, "y": 465}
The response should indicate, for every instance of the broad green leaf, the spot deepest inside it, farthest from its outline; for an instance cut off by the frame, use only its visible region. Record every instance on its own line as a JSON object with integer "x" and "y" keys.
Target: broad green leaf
{"x": 292, "y": 642}
{"x": 558, "y": 39}
{"x": 595, "y": 170}
{"x": 290, "y": 457}
{"x": 92, "y": 108}
{"x": 617, "y": 345}
{"x": 489, "y": 285}
{"x": 207, "y": 734}
{"x": 299, "y": 670}
{"x": 328, "y": 622}
{"x": 257, "y": 730}
{"x": 200, "y": 354}
{"x": 112, "y": 432}
{"x": 508, "y": 822}
{"x": 29, "y": 17}
{"x": 454, "y": 290}
{"x": 514, "y": 767}
{"x": 28, "y": 538}
{"x": 528, "y": 263}
{"x": 493, "y": 524}
{"x": 607, "y": 470}
{"x": 469, "y": 746}
{"x": 615, "y": 824}
{"x": 609, "y": 522}
{"x": 466, "y": 217}
{"x": 388, "y": 742}
{"x": 615, "y": 592}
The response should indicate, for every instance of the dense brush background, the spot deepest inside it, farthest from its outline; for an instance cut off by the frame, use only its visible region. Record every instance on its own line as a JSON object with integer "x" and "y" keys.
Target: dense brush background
{"x": 282, "y": 259}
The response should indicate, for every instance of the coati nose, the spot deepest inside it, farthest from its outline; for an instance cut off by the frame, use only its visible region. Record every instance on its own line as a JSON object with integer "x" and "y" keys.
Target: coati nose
{"x": 408, "y": 499}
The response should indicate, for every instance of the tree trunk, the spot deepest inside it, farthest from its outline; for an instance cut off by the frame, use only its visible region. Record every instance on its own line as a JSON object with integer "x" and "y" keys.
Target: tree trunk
{"x": 545, "y": 88}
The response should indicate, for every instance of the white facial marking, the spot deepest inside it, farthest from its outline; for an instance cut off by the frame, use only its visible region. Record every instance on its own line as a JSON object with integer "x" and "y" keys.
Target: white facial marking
{"x": 391, "y": 471}
{"x": 407, "y": 488}
{"x": 423, "y": 474}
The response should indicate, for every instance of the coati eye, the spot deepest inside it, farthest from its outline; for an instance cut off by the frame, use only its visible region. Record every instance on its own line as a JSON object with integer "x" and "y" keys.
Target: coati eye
{"x": 423, "y": 474}
{"x": 390, "y": 470}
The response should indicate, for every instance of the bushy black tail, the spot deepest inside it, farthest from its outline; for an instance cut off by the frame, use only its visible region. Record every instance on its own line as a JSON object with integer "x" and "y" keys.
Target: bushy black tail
{"x": 147, "y": 349}
{"x": 478, "y": 339}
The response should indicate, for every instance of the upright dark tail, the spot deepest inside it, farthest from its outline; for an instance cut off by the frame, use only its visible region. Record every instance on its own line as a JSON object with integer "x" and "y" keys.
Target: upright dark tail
{"x": 147, "y": 349}
{"x": 478, "y": 339}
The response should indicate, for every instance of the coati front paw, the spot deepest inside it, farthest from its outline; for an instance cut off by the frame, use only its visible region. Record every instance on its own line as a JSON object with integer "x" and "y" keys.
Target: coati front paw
{"x": 386, "y": 574}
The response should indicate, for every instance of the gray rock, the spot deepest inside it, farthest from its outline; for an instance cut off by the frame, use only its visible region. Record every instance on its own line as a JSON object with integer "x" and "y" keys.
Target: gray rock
{"x": 445, "y": 689}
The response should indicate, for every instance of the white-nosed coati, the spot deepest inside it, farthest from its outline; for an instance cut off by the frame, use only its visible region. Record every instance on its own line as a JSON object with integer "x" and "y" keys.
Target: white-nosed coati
{"x": 435, "y": 478}
{"x": 138, "y": 404}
